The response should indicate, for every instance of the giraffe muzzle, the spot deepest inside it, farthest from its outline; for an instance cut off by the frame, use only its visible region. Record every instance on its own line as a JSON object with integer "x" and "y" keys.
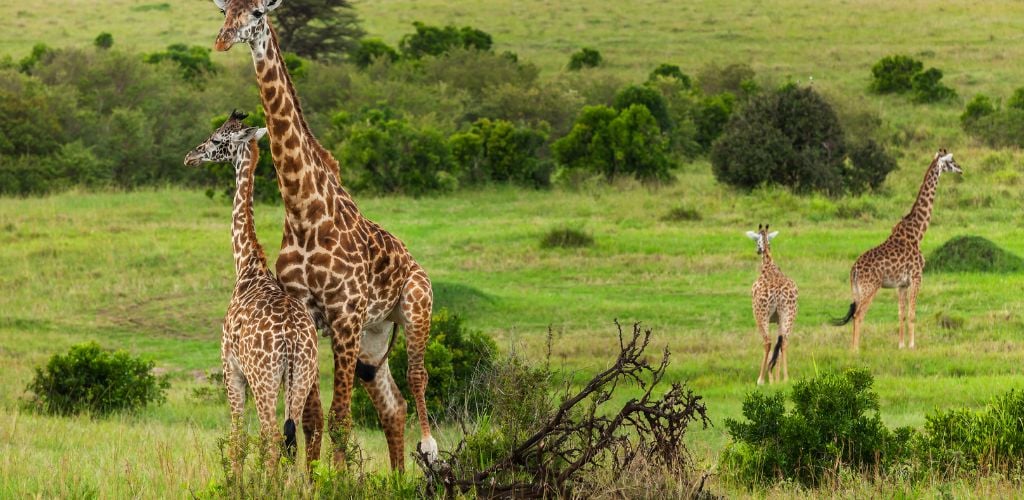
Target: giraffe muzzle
{"x": 224, "y": 40}
{"x": 193, "y": 160}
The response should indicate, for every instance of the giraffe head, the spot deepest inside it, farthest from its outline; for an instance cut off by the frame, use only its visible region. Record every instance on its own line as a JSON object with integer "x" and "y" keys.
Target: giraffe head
{"x": 944, "y": 160}
{"x": 762, "y": 237}
{"x": 244, "y": 21}
{"x": 228, "y": 142}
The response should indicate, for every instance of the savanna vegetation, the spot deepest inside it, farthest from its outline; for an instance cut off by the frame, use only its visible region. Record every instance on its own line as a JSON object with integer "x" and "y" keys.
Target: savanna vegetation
{"x": 553, "y": 168}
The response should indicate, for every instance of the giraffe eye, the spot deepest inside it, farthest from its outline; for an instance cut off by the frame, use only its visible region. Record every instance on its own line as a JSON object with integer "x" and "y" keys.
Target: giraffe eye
{"x": 216, "y": 142}
{"x": 257, "y": 14}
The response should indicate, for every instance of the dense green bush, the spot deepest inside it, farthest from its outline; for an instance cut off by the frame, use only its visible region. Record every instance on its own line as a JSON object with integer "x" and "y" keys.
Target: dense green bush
{"x": 671, "y": 71}
{"x": 894, "y": 74}
{"x": 499, "y": 151}
{"x": 1016, "y": 101}
{"x": 1002, "y": 128}
{"x": 792, "y": 137}
{"x": 964, "y": 440}
{"x": 833, "y": 425}
{"x": 454, "y": 357}
{"x": 615, "y": 144}
{"x": 370, "y": 50}
{"x": 90, "y": 379}
{"x": 736, "y": 79}
{"x": 104, "y": 41}
{"x": 979, "y": 107}
{"x": 194, "y": 61}
{"x": 648, "y": 98}
{"x": 584, "y": 58}
{"x": 710, "y": 116}
{"x": 390, "y": 155}
{"x": 434, "y": 40}
{"x": 927, "y": 87}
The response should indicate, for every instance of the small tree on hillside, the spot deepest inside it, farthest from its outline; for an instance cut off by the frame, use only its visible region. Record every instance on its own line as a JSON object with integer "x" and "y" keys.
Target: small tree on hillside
{"x": 585, "y": 58}
{"x": 318, "y": 29}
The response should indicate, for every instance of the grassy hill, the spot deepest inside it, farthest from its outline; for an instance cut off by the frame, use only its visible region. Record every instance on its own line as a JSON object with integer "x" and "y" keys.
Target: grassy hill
{"x": 151, "y": 271}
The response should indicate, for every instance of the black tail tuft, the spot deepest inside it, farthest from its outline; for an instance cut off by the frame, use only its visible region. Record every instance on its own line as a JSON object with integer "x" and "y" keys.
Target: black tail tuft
{"x": 849, "y": 316}
{"x": 365, "y": 372}
{"x": 290, "y": 446}
{"x": 775, "y": 354}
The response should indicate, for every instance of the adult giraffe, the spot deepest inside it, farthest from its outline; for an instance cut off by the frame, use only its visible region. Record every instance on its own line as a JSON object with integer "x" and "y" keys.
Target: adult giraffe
{"x": 357, "y": 279}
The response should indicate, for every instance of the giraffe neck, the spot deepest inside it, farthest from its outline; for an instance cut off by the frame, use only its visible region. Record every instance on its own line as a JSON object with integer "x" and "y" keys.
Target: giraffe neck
{"x": 915, "y": 223}
{"x": 248, "y": 252}
{"x": 767, "y": 264}
{"x": 303, "y": 166}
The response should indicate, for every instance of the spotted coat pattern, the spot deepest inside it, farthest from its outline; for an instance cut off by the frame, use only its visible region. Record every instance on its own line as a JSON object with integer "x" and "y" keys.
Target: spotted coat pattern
{"x": 268, "y": 336}
{"x": 356, "y": 278}
{"x": 898, "y": 262}
{"x": 775, "y": 301}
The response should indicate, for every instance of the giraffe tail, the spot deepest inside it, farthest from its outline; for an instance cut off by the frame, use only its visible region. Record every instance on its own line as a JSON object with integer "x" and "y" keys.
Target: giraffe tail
{"x": 849, "y": 316}
{"x": 290, "y": 444}
{"x": 775, "y": 353}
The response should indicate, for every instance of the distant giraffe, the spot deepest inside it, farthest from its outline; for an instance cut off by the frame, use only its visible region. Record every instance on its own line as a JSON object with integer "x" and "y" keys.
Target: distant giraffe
{"x": 268, "y": 336}
{"x": 357, "y": 279}
{"x": 775, "y": 301}
{"x": 898, "y": 263}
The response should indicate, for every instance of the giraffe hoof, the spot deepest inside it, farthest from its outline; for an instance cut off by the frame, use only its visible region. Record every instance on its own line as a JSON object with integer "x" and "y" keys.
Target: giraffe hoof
{"x": 760, "y": 381}
{"x": 902, "y": 345}
{"x": 428, "y": 447}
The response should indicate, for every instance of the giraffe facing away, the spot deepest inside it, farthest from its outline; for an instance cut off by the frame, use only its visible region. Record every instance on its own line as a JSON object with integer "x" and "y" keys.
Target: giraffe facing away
{"x": 898, "y": 262}
{"x": 775, "y": 301}
{"x": 357, "y": 279}
{"x": 268, "y": 337}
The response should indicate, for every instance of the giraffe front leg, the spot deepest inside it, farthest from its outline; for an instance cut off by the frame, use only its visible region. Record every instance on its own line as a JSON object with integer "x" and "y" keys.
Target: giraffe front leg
{"x": 417, "y": 304}
{"x": 903, "y": 313}
{"x": 912, "y": 308}
{"x": 345, "y": 344}
{"x": 762, "y": 328}
{"x": 391, "y": 409}
{"x": 234, "y": 383}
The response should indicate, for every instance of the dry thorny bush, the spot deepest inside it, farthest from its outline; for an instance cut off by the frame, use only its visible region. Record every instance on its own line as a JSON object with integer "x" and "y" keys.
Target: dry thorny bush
{"x": 580, "y": 443}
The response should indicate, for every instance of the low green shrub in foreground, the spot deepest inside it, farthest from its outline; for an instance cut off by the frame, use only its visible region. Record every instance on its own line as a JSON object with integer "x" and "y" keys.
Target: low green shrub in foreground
{"x": 90, "y": 379}
{"x": 989, "y": 439}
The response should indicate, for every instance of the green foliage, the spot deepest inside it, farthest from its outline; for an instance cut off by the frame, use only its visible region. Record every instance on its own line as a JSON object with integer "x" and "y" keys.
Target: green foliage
{"x": 454, "y": 354}
{"x": 894, "y": 74}
{"x": 792, "y": 137}
{"x": 434, "y": 40}
{"x": 671, "y": 71}
{"x": 973, "y": 254}
{"x": 736, "y": 79}
{"x": 32, "y": 122}
{"x": 40, "y": 52}
{"x": 833, "y": 425}
{"x": 499, "y": 151}
{"x": 615, "y": 144}
{"x": 370, "y": 50}
{"x": 296, "y": 65}
{"x": 979, "y": 107}
{"x": 318, "y": 29}
{"x": 1016, "y": 101}
{"x": 711, "y": 115}
{"x": 648, "y": 98}
{"x": 390, "y": 155}
{"x": 104, "y": 41}
{"x": 584, "y": 58}
{"x": 1001, "y": 129}
{"x": 682, "y": 214}
{"x": 991, "y": 438}
{"x": 927, "y": 87}
{"x": 90, "y": 379}
{"x": 194, "y": 62}
{"x": 566, "y": 238}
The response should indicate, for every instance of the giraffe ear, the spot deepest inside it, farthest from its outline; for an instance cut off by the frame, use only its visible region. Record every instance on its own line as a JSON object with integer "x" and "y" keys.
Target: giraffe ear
{"x": 754, "y": 236}
{"x": 221, "y": 4}
{"x": 273, "y": 4}
{"x": 772, "y": 235}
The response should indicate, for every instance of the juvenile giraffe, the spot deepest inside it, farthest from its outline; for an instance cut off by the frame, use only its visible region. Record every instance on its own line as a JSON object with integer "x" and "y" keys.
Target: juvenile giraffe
{"x": 775, "y": 300}
{"x": 268, "y": 337}
{"x": 358, "y": 279}
{"x": 898, "y": 263}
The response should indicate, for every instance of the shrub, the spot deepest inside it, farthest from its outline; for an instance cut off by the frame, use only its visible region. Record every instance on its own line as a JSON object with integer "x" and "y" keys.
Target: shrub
{"x": 979, "y": 107}
{"x": 453, "y": 357}
{"x": 648, "y": 98}
{"x": 475, "y": 71}
{"x": 682, "y": 214}
{"x": 40, "y": 53}
{"x": 926, "y": 87}
{"x": 736, "y": 79}
{"x": 584, "y": 58}
{"x": 710, "y": 117}
{"x": 973, "y": 254}
{"x": 391, "y": 156}
{"x": 991, "y": 438}
{"x": 104, "y": 41}
{"x": 671, "y": 71}
{"x": 90, "y": 379}
{"x": 370, "y": 50}
{"x": 498, "y": 151}
{"x": 1000, "y": 129}
{"x": 792, "y": 137}
{"x": 193, "y": 61}
{"x": 833, "y": 424}
{"x": 566, "y": 238}
{"x": 434, "y": 41}
{"x": 1016, "y": 101}
{"x": 32, "y": 116}
{"x": 614, "y": 144}
{"x": 894, "y": 74}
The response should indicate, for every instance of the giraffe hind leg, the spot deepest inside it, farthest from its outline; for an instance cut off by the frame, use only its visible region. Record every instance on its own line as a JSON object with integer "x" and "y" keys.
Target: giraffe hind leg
{"x": 417, "y": 301}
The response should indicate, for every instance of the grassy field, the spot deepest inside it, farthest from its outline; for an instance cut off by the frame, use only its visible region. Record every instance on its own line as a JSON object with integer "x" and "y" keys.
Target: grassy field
{"x": 151, "y": 271}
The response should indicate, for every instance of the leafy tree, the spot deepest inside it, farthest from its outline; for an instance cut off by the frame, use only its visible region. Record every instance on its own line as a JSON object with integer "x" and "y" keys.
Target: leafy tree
{"x": 648, "y": 98}
{"x": 370, "y": 50}
{"x": 614, "y": 144}
{"x": 40, "y": 52}
{"x": 710, "y": 116}
{"x": 894, "y": 74}
{"x": 980, "y": 107}
{"x": 927, "y": 87}
{"x": 499, "y": 151}
{"x": 104, "y": 41}
{"x": 435, "y": 40}
{"x": 318, "y": 29}
{"x": 392, "y": 156}
{"x": 584, "y": 58}
{"x": 671, "y": 71}
{"x": 193, "y": 61}
{"x": 736, "y": 79}
{"x": 31, "y": 124}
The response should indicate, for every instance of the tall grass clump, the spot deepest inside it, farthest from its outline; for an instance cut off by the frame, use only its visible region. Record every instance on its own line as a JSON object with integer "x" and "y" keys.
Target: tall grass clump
{"x": 973, "y": 254}
{"x": 90, "y": 379}
{"x": 566, "y": 238}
